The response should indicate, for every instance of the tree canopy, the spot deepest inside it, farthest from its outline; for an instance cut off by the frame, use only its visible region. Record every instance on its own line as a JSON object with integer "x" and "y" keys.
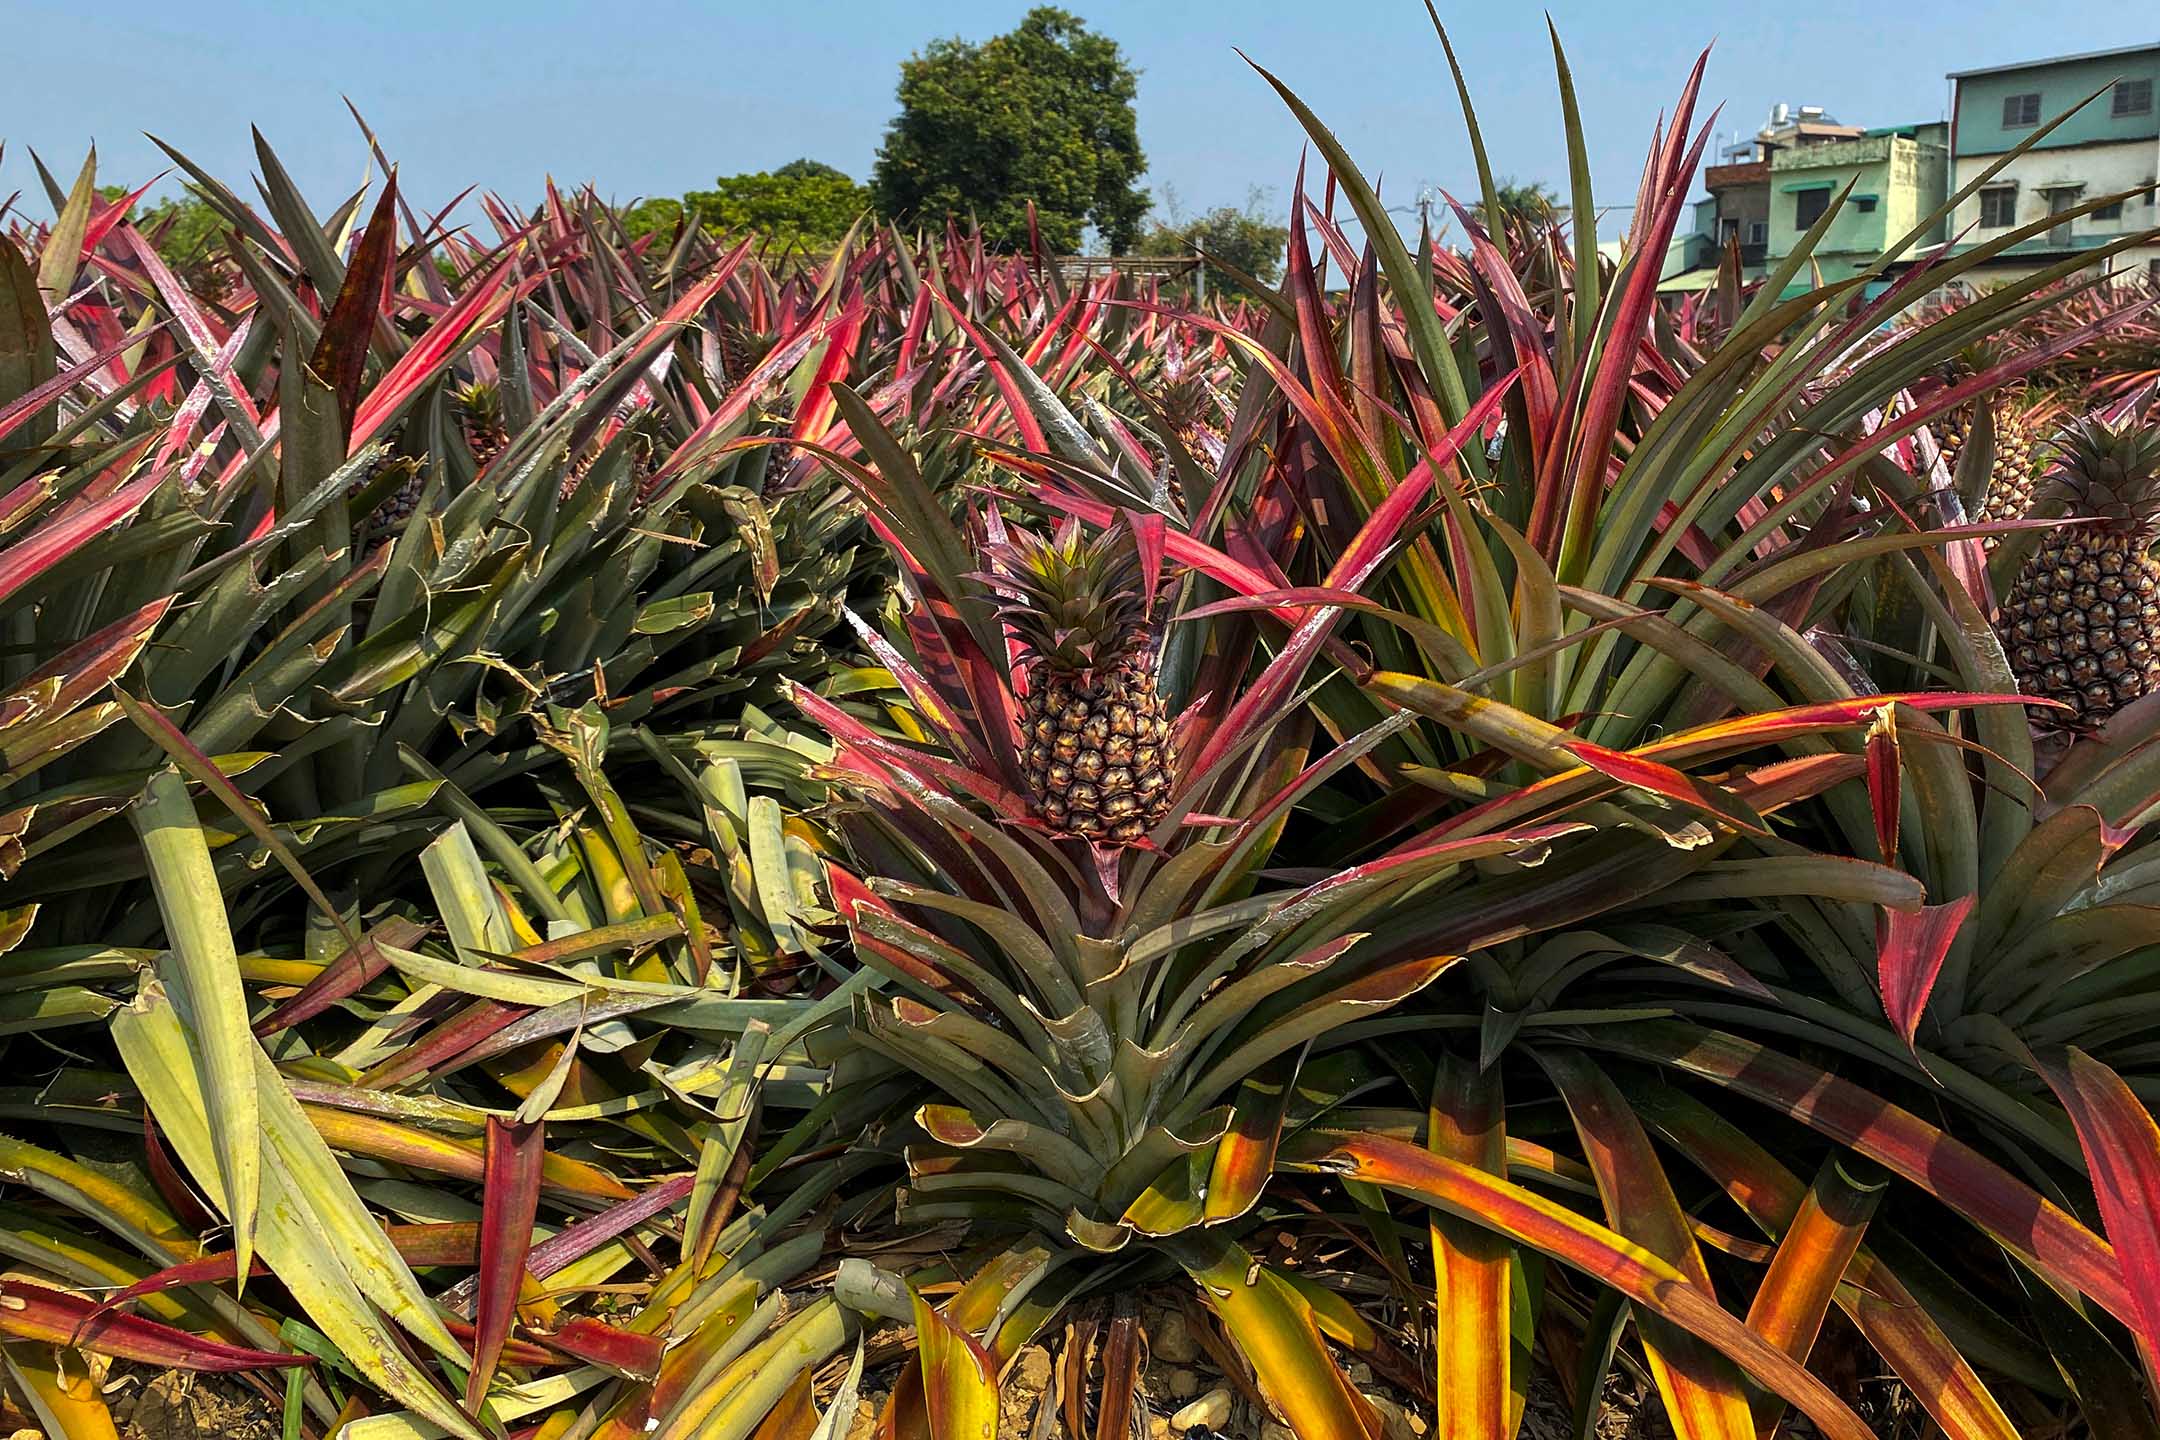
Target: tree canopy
{"x": 1532, "y": 200}
{"x": 1245, "y": 239}
{"x": 1044, "y": 113}
{"x": 804, "y": 202}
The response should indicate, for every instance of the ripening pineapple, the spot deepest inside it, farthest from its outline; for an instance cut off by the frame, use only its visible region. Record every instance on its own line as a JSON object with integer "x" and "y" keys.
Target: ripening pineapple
{"x": 1097, "y": 755}
{"x": 1183, "y": 393}
{"x": 740, "y": 352}
{"x": 480, "y": 415}
{"x": 397, "y": 507}
{"x": 2015, "y": 470}
{"x": 2081, "y": 619}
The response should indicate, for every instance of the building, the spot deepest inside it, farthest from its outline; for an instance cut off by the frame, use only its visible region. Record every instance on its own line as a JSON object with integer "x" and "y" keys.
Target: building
{"x": 1898, "y": 176}
{"x": 2111, "y": 145}
{"x": 1739, "y": 186}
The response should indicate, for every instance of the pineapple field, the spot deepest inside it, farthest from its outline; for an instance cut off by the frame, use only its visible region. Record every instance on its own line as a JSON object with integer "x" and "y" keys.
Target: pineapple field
{"x": 607, "y": 837}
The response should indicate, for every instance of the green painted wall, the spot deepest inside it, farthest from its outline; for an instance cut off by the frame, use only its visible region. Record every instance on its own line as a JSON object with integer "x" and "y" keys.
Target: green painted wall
{"x": 1980, "y": 103}
{"x": 1907, "y": 177}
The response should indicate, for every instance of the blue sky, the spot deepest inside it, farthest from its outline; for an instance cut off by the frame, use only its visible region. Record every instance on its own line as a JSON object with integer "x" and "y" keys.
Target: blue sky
{"x": 659, "y": 96}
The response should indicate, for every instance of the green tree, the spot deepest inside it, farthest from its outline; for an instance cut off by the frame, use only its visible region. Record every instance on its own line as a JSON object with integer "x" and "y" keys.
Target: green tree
{"x": 1043, "y": 114}
{"x": 804, "y": 202}
{"x": 190, "y": 237}
{"x": 1246, "y": 239}
{"x": 1531, "y": 200}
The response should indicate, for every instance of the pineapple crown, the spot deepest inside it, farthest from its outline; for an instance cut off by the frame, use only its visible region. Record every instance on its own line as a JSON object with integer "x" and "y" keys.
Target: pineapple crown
{"x": 1078, "y": 602}
{"x": 481, "y": 401}
{"x": 2112, "y": 474}
{"x": 1979, "y": 357}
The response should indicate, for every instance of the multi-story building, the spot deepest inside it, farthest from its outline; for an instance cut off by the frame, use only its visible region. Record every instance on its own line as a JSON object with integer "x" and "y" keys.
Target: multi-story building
{"x": 2108, "y": 146}
{"x": 1898, "y": 177}
{"x": 1740, "y": 186}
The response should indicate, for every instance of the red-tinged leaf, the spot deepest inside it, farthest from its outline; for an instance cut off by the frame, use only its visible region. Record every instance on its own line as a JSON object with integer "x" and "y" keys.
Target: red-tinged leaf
{"x": 509, "y": 1199}
{"x": 814, "y": 416}
{"x": 179, "y": 1197}
{"x": 1787, "y": 782}
{"x": 107, "y": 216}
{"x": 1914, "y": 945}
{"x": 1703, "y": 1395}
{"x": 777, "y": 362}
{"x": 1150, "y": 534}
{"x": 452, "y": 1155}
{"x": 1245, "y": 1156}
{"x": 55, "y": 1317}
{"x": 1884, "y": 787}
{"x": 421, "y": 1246}
{"x": 959, "y": 1380}
{"x": 628, "y": 1353}
{"x": 1385, "y": 526}
{"x": 589, "y": 1234}
{"x": 1558, "y": 1232}
{"x": 21, "y": 408}
{"x": 1016, "y": 400}
{"x": 1895, "y": 1323}
{"x": 91, "y": 663}
{"x": 354, "y": 967}
{"x": 201, "y": 336}
{"x": 482, "y": 304}
{"x": 2122, "y": 1149}
{"x": 1811, "y": 1261}
{"x": 1638, "y": 773}
{"x": 2049, "y": 1239}
{"x": 1273, "y": 1326}
{"x": 1300, "y": 596}
{"x": 1472, "y": 1280}
{"x": 1582, "y": 465}
{"x": 1797, "y": 720}
{"x": 33, "y": 554}
{"x": 516, "y": 1353}
{"x": 341, "y": 354}
{"x": 470, "y": 1025}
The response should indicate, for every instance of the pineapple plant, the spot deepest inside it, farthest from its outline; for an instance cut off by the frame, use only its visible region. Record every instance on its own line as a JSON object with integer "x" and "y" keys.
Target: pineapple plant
{"x": 2080, "y": 618}
{"x": 1096, "y": 744}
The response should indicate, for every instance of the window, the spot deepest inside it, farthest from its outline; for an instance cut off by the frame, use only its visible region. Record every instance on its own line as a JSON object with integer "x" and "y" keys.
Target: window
{"x": 2020, "y": 111}
{"x": 1865, "y": 204}
{"x": 2109, "y": 212}
{"x": 1808, "y": 206}
{"x": 1998, "y": 207}
{"x": 2059, "y": 199}
{"x": 1758, "y": 232}
{"x": 2132, "y": 97}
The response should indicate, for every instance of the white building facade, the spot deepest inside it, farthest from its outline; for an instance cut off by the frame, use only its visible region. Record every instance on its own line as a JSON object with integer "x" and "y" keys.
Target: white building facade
{"x": 2109, "y": 146}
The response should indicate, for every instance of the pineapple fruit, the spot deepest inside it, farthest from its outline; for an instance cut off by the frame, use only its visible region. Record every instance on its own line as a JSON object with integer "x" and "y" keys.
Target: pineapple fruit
{"x": 2081, "y": 618}
{"x": 480, "y": 416}
{"x": 2016, "y": 467}
{"x": 1187, "y": 400}
{"x": 396, "y": 507}
{"x": 1096, "y": 745}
